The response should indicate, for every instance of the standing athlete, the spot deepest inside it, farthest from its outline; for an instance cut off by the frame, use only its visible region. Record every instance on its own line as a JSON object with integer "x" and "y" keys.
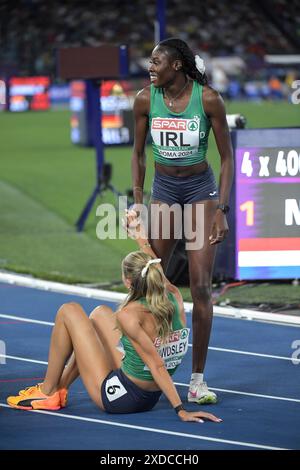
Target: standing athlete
{"x": 179, "y": 108}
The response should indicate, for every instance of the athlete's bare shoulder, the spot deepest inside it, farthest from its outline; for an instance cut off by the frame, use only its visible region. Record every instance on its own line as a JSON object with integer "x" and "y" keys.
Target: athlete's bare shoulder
{"x": 142, "y": 101}
{"x": 210, "y": 94}
{"x": 212, "y": 100}
{"x": 144, "y": 92}
{"x": 132, "y": 310}
{"x": 134, "y": 307}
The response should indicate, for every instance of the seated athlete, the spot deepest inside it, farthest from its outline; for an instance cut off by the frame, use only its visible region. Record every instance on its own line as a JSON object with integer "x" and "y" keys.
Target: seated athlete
{"x": 150, "y": 325}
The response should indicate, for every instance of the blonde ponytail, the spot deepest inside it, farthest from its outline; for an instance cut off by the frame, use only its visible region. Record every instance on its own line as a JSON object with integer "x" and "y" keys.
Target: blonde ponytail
{"x": 151, "y": 286}
{"x": 158, "y": 302}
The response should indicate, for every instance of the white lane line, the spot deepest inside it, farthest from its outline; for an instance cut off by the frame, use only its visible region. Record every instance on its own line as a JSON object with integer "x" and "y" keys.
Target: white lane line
{"x": 226, "y": 312}
{"x": 248, "y": 353}
{"x": 235, "y": 351}
{"x": 296, "y": 400}
{"x": 27, "y": 320}
{"x": 24, "y": 359}
{"x": 238, "y": 392}
{"x": 155, "y": 430}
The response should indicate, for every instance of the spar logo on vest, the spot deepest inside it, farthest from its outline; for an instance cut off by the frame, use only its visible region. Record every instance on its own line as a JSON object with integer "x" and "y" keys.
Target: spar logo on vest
{"x": 176, "y": 137}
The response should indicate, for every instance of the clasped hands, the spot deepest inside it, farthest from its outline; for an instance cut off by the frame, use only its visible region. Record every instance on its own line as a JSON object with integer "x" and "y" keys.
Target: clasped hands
{"x": 133, "y": 225}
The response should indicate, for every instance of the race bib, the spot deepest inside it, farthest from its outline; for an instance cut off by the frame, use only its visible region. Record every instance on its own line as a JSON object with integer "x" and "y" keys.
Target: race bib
{"x": 114, "y": 389}
{"x": 176, "y": 137}
{"x": 173, "y": 350}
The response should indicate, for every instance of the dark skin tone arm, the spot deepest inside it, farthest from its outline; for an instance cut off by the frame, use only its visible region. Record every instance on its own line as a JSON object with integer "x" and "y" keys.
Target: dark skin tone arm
{"x": 138, "y": 162}
{"x": 215, "y": 110}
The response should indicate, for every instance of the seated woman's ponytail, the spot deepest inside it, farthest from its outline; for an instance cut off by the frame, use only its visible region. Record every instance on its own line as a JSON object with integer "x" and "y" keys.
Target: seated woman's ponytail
{"x": 147, "y": 280}
{"x": 157, "y": 298}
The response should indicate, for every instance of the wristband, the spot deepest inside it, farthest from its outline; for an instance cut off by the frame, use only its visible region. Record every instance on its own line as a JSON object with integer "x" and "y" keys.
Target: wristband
{"x": 179, "y": 408}
{"x": 223, "y": 207}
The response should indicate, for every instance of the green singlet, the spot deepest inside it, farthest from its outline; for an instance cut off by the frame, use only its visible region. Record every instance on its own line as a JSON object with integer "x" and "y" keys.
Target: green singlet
{"x": 172, "y": 350}
{"x": 179, "y": 139}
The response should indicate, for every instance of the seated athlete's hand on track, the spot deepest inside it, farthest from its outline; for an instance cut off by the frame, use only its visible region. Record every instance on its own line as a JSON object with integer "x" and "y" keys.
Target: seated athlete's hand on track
{"x": 198, "y": 416}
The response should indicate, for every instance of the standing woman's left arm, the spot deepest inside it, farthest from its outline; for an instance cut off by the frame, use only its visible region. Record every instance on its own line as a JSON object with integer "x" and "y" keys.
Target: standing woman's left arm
{"x": 215, "y": 110}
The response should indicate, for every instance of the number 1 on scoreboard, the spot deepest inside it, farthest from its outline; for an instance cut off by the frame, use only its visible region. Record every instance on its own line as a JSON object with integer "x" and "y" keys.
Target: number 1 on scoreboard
{"x": 248, "y": 207}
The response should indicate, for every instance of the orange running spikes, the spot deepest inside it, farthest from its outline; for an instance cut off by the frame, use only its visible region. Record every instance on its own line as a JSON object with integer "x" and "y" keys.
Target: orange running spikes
{"x": 27, "y": 389}
{"x": 32, "y": 398}
{"x": 63, "y": 393}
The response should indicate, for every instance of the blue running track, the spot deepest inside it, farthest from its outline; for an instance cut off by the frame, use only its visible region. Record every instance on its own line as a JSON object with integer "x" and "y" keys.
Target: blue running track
{"x": 249, "y": 366}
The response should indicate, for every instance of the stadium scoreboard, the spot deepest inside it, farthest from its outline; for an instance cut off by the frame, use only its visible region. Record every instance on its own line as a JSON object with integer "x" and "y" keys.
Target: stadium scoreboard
{"x": 264, "y": 241}
{"x": 28, "y": 93}
{"x": 115, "y": 101}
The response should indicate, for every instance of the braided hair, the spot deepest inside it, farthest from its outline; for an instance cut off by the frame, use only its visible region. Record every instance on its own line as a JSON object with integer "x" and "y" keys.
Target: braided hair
{"x": 178, "y": 49}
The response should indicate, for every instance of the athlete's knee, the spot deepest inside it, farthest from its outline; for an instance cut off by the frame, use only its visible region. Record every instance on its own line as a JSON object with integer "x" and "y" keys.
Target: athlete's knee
{"x": 68, "y": 309}
{"x": 100, "y": 312}
{"x": 201, "y": 294}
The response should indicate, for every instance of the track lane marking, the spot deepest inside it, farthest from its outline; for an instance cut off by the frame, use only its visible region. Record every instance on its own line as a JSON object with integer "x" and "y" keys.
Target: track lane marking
{"x": 238, "y": 392}
{"x": 212, "y": 348}
{"x": 154, "y": 430}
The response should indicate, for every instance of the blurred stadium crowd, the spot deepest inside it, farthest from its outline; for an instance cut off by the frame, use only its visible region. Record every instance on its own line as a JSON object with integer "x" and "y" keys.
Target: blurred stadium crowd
{"x": 233, "y": 37}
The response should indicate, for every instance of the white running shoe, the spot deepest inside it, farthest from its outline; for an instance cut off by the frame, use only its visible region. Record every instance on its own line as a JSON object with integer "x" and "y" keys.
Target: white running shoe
{"x": 199, "y": 393}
